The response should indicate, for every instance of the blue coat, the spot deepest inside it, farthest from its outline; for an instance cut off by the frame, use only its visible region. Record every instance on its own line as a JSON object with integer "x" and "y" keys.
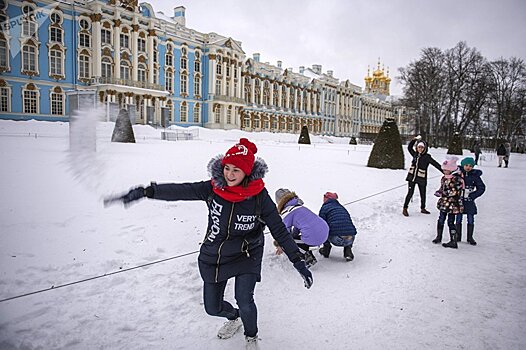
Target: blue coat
{"x": 234, "y": 239}
{"x": 338, "y": 218}
{"x": 474, "y": 188}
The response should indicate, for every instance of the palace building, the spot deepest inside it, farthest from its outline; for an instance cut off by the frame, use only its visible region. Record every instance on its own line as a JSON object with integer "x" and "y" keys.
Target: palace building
{"x": 165, "y": 73}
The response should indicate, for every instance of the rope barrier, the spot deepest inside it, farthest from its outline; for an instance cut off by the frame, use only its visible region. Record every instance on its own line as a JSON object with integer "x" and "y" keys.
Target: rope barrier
{"x": 162, "y": 260}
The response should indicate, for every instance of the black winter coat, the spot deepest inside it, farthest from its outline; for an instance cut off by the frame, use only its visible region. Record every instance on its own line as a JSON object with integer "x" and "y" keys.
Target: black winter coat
{"x": 234, "y": 239}
{"x": 418, "y": 170}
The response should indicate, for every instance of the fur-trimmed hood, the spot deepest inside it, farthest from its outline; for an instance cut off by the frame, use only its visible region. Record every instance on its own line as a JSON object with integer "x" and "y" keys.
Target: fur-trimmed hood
{"x": 215, "y": 170}
{"x": 285, "y": 199}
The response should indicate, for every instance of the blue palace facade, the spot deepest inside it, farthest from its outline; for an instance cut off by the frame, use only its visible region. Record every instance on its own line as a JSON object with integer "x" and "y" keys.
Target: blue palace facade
{"x": 161, "y": 71}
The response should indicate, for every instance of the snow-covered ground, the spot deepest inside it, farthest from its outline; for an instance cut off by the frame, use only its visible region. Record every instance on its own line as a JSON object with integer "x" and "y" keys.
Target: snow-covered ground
{"x": 401, "y": 291}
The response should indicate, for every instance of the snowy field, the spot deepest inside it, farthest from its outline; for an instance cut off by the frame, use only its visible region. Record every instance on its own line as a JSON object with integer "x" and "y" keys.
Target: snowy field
{"x": 400, "y": 292}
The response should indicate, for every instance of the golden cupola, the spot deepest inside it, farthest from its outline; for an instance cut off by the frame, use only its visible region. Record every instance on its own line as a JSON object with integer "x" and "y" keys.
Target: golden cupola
{"x": 379, "y": 83}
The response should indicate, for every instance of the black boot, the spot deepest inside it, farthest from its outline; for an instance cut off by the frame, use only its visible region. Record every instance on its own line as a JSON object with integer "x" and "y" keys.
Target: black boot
{"x": 459, "y": 232}
{"x": 326, "y": 249}
{"x": 453, "y": 242}
{"x": 310, "y": 260}
{"x": 440, "y": 230}
{"x": 470, "y": 235}
{"x": 347, "y": 253}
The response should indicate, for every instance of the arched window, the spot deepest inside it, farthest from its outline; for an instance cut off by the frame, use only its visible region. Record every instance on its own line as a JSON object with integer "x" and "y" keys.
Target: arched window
{"x": 197, "y": 113}
{"x": 184, "y": 83}
{"x": 84, "y": 66}
{"x": 229, "y": 115}
{"x": 168, "y": 81}
{"x": 217, "y": 114}
{"x": 5, "y": 99}
{"x": 197, "y": 62}
{"x": 106, "y": 67}
{"x": 124, "y": 41}
{"x": 57, "y": 101}
{"x": 169, "y": 58}
{"x": 141, "y": 72}
{"x": 218, "y": 86}
{"x": 56, "y": 59}
{"x": 219, "y": 66}
{"x": 125, "y": 70}
{"x": 184, "y": 59}
{"x": 184, "y": 113}
{"x": 30, "y": 100}
{"x": 197, "y": 85}
{"x": 29, "y": 26}
{"x": 29, "y": 58}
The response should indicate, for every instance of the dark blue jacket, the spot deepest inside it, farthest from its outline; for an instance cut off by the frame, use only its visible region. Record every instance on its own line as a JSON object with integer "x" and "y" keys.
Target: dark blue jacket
{"x": 234, "y": 239}
{"x": 338, "y": 218}
{"x": 474, "y": 188}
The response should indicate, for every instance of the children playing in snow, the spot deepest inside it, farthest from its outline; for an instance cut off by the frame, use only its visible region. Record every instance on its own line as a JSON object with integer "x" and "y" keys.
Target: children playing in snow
{"x": 307, "y": 228}
{"x": 450, "y": 202}
{"x": 233, "y": 245}
{"x": 474, "y": 187}
{"x": 341, "y": 228}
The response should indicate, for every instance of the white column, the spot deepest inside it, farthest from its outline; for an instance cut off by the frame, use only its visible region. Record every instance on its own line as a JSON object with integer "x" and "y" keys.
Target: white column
{"x": 135, "y": 59}
{"x": 252, "y": 90}
{"x": 97, "y": 48}
{"x": 117, "y": 52}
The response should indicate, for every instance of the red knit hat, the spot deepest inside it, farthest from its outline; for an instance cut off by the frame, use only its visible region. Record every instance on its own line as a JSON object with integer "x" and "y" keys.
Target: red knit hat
{"x": 329, "y": 195}
{"x": 241, "y": 155}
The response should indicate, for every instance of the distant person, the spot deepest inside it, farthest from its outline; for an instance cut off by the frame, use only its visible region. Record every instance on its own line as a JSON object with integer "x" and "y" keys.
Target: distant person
{"x": 341, "y": 228}
{"x": 307, "y": 228}
{"x": 501, "y": 154}
{"x": 233, "y": 245}
{"x": 508, "y": 154}
{"x": 450, "y": 202}
{"x": 477, "y": 152}
{"x": 417, "y": 175}
{"x": 474, "y": 187}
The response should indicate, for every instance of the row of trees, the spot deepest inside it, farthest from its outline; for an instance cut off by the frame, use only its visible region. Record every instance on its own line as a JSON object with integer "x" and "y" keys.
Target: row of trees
{"x": 460, "y": 91}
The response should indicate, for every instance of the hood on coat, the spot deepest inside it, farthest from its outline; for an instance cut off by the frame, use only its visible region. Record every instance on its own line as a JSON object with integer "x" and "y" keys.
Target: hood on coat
{"x": 426, "y": 146}
{"x": 474, "y": 172}
{"x": 285, "y": 199}
{"x": 215, "y": 170}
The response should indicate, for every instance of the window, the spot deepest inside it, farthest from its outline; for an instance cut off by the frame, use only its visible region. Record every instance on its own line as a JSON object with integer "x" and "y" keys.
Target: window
{"x": 246, "y": 122}
{"x": 197, "y": 113}
{"x": 155, "y": 76}
{"x": 84, "y": 40}
{"x": 84, "y": 24}
{"x": 106, "y": 70}
{"x": 169, "y": 60}
{"x": 55, "y": 35}
{"x": 168, "y": 82}
{"x": 30, "y": 102}
{"x": 4, "y": 99}
{"x": 84, "y": 71}
{"x": 29, "y": 28}
{"x": 219, "y": 67}
{"x": 229, "y": 115}
{"x": 55, "y": 62}
{"x": 125, "y": 70}
{"x": 105, "y": 36}
{"x": 184, "y": 63}
{"x": 184, "y": 113}
{"x": 228, "y": 70}
{"x": 125, "y": 41}
{"x": 218, "y": 87}
{"x": 227, "y": 88}
{"x": 55, "y": 18}
{"x": 141, "y": 73}
{"x": 141, "y": 45}
{"x": 197, "y": 67}
{"x": 29, "y": 58}
{"x": 184, "y": 84}
{"x": 57, "y": 103}
{"x": 3, "y": 54}
{"x": 197, "y": 86}
{"x": 217, "y": 114}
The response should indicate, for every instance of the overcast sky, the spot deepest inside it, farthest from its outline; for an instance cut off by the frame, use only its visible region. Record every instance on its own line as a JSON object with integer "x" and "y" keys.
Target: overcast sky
{"x": 348, "y": 35}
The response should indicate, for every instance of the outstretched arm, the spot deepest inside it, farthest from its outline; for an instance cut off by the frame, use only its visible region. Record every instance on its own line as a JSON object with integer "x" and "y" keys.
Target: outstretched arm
{"x": 411, "y": 147}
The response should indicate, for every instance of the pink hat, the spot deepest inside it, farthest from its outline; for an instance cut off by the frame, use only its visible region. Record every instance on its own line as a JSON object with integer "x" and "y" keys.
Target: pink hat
{"x": 450, "y": 164}
{"x": 329, "y": 195}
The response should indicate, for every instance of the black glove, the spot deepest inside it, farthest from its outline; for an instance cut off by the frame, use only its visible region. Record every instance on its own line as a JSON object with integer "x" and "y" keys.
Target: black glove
{"x": 304, "y": 272}
{"x": 136, "y": 194}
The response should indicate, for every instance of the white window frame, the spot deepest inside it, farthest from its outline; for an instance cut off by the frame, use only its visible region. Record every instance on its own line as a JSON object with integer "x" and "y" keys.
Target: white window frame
{"x": 169, "y": 81}
{"x": 27, "y": 97}
{"x": 184, "y": 83}
{"x": 84, "y": 66}
{"x": 184, "y": 113}
{"x": 83, "y": 37}
{"x": 106, "y": 62}
{"x": 56, "y": 62}
{"x": 103, "y": 36}
{"x": 29, "y": 58}
{"x": 4, "y": 54}
{"x": 54, "y": 32}
{"x": 56, "y": 103}
{"x": 125, "y": 70}
{"x": 197, "y": 85}
{"x": 197, "y": 113}
{"x": 141, "y": 73}
{"x": 5, "y": 99}
{"x": 217, "y": 114}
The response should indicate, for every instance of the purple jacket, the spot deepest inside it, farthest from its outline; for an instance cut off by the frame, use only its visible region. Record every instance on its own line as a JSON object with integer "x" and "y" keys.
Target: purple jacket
{"x": 314, "y": 230}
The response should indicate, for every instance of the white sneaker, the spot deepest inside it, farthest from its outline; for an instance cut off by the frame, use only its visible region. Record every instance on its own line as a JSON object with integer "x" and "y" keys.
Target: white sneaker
{"x": 252, "y": 343}
{"x": 229, "y": 328}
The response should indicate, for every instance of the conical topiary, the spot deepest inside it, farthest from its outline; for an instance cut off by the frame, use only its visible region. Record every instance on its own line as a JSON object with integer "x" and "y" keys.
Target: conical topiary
{"x": 352, "y": 141}
{"x": 387, "y": 151}
{"x": 455, "y": 144}
{"x": 123, "y": 131}
{"x": 304, "y": 135}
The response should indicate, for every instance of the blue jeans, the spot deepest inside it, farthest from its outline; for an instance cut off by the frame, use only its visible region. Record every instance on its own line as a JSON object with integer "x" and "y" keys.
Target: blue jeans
{"x": 342, "y": 241}
{"x": 215, "y": 305}
{"x": 450, "y": 220}
{"x": 471, "y": 219}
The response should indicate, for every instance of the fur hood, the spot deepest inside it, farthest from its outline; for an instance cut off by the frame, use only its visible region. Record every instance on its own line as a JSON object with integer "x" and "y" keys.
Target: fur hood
{"x": 285, "y": 199}
{"x": 215, "y": 170}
